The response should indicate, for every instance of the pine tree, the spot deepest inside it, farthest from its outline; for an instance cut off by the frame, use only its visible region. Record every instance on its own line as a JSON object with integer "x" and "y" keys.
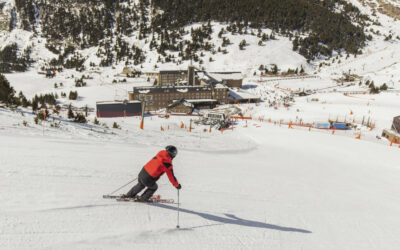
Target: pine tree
{"x": 7, "y": 92}
{"x": 70, "y": 113}
{"x": 35, "y": 104}
{"x": 275, "y": 69}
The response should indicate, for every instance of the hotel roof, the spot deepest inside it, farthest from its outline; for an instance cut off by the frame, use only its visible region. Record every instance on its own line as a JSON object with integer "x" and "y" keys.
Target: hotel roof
{"x": 170, "y": 89}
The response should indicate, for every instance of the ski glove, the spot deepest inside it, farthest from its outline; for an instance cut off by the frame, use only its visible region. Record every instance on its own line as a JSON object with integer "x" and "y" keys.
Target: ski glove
{"x": 179, "y": 186}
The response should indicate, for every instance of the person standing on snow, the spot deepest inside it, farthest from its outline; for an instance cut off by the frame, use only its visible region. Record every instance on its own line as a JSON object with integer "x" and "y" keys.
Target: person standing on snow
{"x": 152, "y": 171}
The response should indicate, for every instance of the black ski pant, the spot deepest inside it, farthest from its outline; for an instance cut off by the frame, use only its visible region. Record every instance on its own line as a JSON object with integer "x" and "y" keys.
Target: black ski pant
{"x": 151, "y": 189}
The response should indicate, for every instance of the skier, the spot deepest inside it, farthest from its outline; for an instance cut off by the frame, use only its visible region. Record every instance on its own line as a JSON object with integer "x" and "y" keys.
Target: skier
{"x": 152, "y": 171}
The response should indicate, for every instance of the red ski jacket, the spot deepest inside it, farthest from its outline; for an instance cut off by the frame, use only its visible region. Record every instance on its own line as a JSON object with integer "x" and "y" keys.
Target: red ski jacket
{"x": 160, "y": 164}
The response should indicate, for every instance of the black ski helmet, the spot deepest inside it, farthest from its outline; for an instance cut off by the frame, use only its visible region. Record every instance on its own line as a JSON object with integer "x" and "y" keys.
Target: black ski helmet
{"x": 172, "y": 151}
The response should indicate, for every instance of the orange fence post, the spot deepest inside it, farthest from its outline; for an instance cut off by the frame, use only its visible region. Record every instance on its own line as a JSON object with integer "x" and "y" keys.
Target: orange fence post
{"x": 141, "y": 124}
{"x": 391, "y": 142}
{"x": 333, "y": 132}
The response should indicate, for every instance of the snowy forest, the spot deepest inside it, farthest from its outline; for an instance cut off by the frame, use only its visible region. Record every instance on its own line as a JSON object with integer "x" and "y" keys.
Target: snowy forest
{"x": 316, "y": 28}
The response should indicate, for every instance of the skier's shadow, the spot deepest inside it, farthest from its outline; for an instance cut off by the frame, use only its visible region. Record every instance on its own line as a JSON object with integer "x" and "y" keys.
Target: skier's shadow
{"x": 232, "y": 219}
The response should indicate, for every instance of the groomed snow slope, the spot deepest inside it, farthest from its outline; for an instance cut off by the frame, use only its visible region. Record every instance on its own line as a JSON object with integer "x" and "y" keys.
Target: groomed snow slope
{"x": 282, "y": 189}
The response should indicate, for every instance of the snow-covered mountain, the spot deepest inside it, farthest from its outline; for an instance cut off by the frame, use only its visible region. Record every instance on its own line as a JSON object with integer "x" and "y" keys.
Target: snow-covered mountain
{"x": 149, "y": 35}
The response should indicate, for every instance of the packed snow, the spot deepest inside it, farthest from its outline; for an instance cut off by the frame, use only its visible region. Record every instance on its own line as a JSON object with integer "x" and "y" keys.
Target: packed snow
{"x": 260, "y": 187}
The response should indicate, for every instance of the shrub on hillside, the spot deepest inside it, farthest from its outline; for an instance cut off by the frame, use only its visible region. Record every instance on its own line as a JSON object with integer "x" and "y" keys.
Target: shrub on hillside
{"x": 50, "y": 99}
{"x": 40, "y": 116}
{"x": 373, "y": 89}
{"x": 6, "y": 91}
{"x": 11, "y": 59}
{"x": 115, "y": 125}
{"x": 73, "y": 95}
{"x": 80, "y": 82}
{"x": 80, "y": 118}
{"x": 22, "y": 100}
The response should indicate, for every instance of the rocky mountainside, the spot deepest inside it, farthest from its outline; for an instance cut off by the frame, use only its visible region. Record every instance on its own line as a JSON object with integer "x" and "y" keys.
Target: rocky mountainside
{"x": 79, "y": 33}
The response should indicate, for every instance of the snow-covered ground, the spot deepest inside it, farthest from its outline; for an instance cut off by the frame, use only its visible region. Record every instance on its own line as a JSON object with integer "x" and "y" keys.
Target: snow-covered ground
{"x": 263, "y": 187}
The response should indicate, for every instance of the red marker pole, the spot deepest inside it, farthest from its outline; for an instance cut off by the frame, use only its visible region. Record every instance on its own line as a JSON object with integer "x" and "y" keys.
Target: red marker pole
{"x": 143, "y": 110}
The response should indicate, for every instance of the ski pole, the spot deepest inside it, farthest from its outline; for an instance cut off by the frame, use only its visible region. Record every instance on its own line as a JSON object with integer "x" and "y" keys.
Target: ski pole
{"x": 125, "y": 185}
{"x": 177, "y": 226}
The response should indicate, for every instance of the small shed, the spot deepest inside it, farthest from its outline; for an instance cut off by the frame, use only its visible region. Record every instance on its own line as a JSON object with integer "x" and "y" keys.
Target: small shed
{"x": 230, "y": 79}
{"x": 203, "y": 103}
{"x": 127, "y": 71}
{"x": 118, "y": 109}
{"x": 340, "y": 125}
{"x": 180, "y": 106}
{"x": 391, "y": 135}
{"x": 323, "y": 125}
{"x": 396, "y": 124}
{"x": 241, "y": 96}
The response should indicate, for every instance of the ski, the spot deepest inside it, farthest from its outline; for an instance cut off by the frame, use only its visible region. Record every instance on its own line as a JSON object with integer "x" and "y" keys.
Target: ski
{"x": 151, "y": 200}
{"x": 109, "y": 196}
